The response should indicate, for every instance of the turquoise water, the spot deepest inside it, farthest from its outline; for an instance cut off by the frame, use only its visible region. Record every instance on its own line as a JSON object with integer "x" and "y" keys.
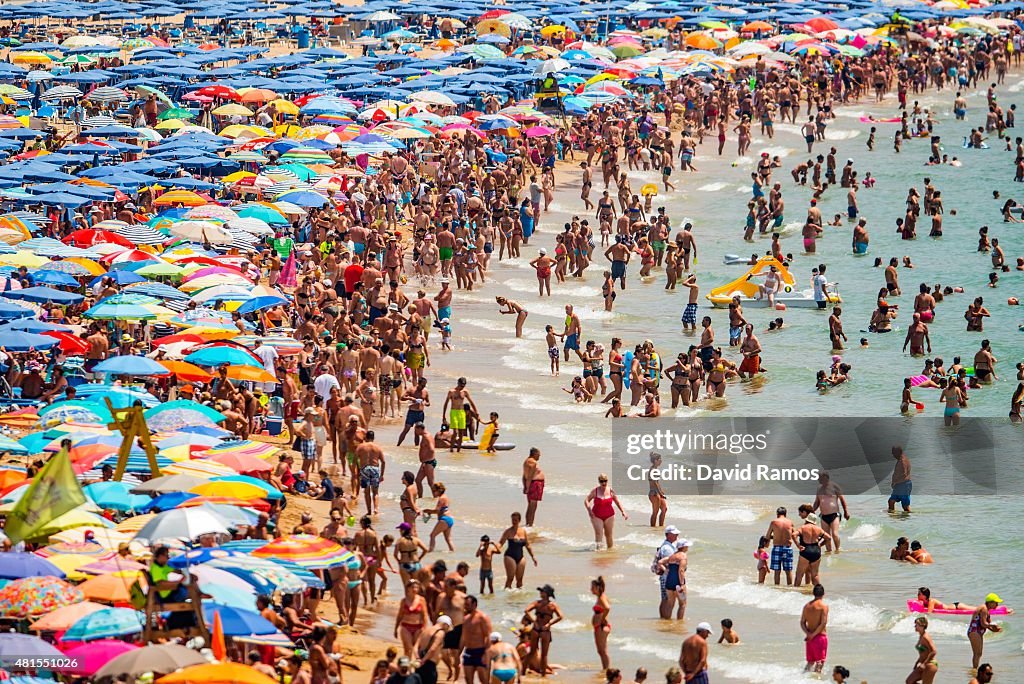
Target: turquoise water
{"x": 871, "y": 633}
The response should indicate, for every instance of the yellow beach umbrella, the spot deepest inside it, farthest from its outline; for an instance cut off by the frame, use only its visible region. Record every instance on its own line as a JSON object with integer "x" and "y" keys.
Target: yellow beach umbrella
{"x": 91, "y": 266}
{"x": 237, "y": 176}
{"x": 552, "y": 30}
{"x": 233, "y": 109}
{"x": 23, "y": 258}
{"x": 285, "y": 107}
{"x": 171, "y": 125}
{"x": 70, "y": 562}
{"x": 31, "y": 58}
{"x": 493, "y": 26}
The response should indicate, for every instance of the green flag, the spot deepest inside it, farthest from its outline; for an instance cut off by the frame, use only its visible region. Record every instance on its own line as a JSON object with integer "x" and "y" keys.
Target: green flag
{"x": 53, "y": 492}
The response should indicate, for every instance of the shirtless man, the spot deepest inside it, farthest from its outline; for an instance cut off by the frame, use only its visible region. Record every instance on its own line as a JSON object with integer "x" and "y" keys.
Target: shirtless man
{"x": 425, "y": 308}
{"x": 573, "y": 331}
{"x": 835, "y": 329}
{"x": 444, "y": 300}
{"x": 690, "y": 312}
{"x": 454, "y": 402}
{"x": 917, "y": 337}
{"x": 687, "y": 244}
{"x": 751, "y": 350}
{"x": 371, "y": 471}
{"x": 98, "y": 348}
{"x": 428, "y": 459}
{"x": 693, "y": 657}
{"x": 476, "y": 638}
{"x": 430, "y": 648}
{"x": 827, "y": 502}
{"x": 618, "y": 254}
{"x": 511, "y": 307}
{"x": 813, "y": 622}
{"x": 780, "y": 531}
{"x": 503, "y": 662}
{"x": 533, "y": 484}
{"x": 451, "y": 603}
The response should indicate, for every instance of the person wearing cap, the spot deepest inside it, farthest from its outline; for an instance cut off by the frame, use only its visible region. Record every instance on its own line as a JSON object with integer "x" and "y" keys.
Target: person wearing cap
{"x": 429, "y": 649}
{"x": 981, "y": 622}
{"x": 443, "y": 300}
{"x": 405, "y": 673}
{"x": 693, "y": 656}
{"x": 674, "y": 567}
{"x": 502, "y": 660}
{"x": 546, "y": 614}
{"x": 664, "y": 550}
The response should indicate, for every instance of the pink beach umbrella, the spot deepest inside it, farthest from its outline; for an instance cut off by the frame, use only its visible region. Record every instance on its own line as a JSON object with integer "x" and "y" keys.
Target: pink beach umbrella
{"x": 92, "y": 656}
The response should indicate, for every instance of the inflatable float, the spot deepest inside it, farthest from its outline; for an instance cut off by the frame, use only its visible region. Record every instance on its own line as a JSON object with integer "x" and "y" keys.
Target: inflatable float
{"x": 915, "y": 606}
{"x": 889, "y": 120}
{"x": 748, "y": 289}
{"x": 500, "y": 446}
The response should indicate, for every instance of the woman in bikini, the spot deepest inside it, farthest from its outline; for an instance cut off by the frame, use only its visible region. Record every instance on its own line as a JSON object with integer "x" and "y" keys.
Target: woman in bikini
{"x": 599, "y": 621}
{"x": 656, "y": 495}
{"x": 355, "y": 571}
{"x": 679, "y": 374}
{"x": 601, "y": 503}
{"x": 445, "y": 521}
{"x": 546, "y": 614}
{"x": 646, "y": 252}
{"x": 615, "y": 370}
{"x": 407, "y": 501}
{"x": 716, "y": 380}
{"x": 412, "y": 616}
{"x": 409, "y": 552}
{"x": 365, "y": 391}
{"x": 926, "y": 666}
{"x": 517, "y": 540}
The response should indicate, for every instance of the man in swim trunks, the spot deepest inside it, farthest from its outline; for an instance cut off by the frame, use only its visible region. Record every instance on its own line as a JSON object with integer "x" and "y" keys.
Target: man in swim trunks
{"x": 827, "y": 502}
{"x": 813, "y": 622}
{"x": 618, "y": 254}
{"x": 901, "y": 483}
{"x": 444, "y": 301}
{"x": 693, "y": 657}
{"x": 533, "y": 484}
{"x": 690, "y": 312}
{"x": 751, "y": 350}
{"x": 457, "y": 398}
{"x": 502, "y": 660}
{"x": 476, "y": 638}
{"x": 780, "y": 531}
{"x": 371, "y": 471}
{"x": 572, "y": 333}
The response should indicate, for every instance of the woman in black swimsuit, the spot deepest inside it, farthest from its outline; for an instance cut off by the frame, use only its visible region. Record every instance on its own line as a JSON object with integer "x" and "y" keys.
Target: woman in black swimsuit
{"x": 517, "y": 540}
{"x": 809, "y": 539}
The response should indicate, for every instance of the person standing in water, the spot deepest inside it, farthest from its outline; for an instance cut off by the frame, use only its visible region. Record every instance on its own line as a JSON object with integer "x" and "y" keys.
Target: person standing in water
{"x": 601, "y": 504}
{"x": 926, "y": 666}
{"x": 511, "y": 307}
{"x": 693, "y": 656}
{"x": 981, "y": 622}
{"x": 901, "y": 483}
{"x": 814, "y": 623}
{"x": 533, "y": 484}
{"x": 780, "y": 531}
{"x": 827, "y": 503}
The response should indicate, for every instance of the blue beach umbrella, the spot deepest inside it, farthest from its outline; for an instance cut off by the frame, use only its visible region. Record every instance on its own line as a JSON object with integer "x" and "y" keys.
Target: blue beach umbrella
{"x": 17, "y": 564}
{"x": 130, "y": 365}
{"x": 215, "y": 356}
{"x": 14, "y": 340}
{"x": 106, "y": 623}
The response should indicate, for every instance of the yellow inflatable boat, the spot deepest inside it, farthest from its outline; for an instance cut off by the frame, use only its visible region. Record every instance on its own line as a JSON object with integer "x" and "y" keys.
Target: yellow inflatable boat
{"x": 750, "y": 288}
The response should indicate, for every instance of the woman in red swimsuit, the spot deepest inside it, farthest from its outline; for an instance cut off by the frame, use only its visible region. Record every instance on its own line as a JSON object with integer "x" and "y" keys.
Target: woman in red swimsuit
{"x": 601, "y": 504}
{"x": 602, "y": 628}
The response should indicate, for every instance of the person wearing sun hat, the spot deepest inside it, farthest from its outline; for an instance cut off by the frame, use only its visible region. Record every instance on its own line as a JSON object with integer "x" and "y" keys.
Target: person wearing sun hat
{"x": 981, "y": 622}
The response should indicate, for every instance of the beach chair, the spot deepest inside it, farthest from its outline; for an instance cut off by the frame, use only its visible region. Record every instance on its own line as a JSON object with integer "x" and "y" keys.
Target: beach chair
{"x": 336, "y": 32}
{"x": 156, "y": 627}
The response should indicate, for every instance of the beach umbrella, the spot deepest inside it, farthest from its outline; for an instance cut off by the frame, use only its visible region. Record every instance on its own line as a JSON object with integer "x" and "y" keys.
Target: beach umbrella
{"x": 820, "y": 24}
{"x": 221, "y": 354}
{"x": 89, "y": 658}
{"x": 308, "y": 551}
{"x": 130, "y": 365}
{"x": 303, "y": 198}
{"x": 115, "y": 496}
{"x": 24, "y": 341}
{"x": 17, "y": 565}
{"x": 157, "y": 659}
{"x": 432, "y": 97}
{"x": 265, "y": 575}
{"x": 177, "y": 414}
{"x": 108, "y": 94}
{"x": 185, "y": 198}
{"x": 217, "y": 673}
{"x": 232, "y": 109}
{"x": 31, "y": 597}
{"x": 201, "y": 231}
{"x": 113, "y": 588}
{"x": 185, "y": 524}
{"x": 168, "y": 484}
{"x": 63, "y": 92}
{"x": 14, "y": 646}
{"x": 106, "y": 623}
{"x": 59, "y": 619}
{"x": 235, "y": 490}
{"x": 238, "y": 622}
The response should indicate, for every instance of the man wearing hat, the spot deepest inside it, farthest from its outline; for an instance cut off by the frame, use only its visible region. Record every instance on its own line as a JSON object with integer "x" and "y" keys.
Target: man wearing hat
{"x": 664, "y": 550}
{"x": 693, "y": 657}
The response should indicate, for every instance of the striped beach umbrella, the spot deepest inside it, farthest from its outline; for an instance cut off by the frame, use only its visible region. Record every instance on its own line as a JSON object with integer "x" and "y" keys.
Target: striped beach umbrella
{"x": 59, "y": 93}
{"x": 142, "y": 235}
{"x": 108, "y": 94}
{"x": 308, "y": 551}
